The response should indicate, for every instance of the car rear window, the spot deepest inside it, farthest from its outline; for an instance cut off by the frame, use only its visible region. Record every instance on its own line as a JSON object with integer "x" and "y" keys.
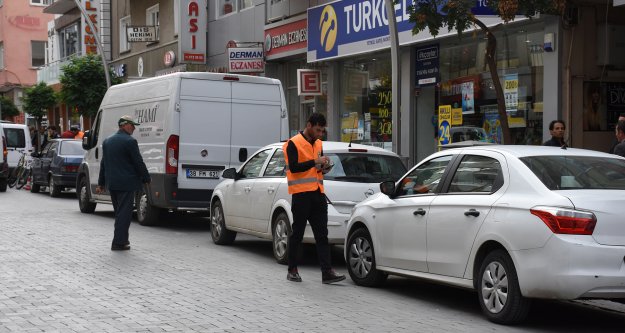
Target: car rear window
{"x": 365, "y": 168}
{"x": 71, "y": 148}
{"x": 15, "y": 137}
{"x": 578, "y": 172}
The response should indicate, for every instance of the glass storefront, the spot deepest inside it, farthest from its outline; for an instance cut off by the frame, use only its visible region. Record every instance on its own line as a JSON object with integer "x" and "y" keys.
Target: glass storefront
{"x": 466, "y": 85}
{"x": 365, "y": 103}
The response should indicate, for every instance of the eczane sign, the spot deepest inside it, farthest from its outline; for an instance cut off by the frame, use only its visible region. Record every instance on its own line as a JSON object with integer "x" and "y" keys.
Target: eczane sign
{"x": 246, "y": 60}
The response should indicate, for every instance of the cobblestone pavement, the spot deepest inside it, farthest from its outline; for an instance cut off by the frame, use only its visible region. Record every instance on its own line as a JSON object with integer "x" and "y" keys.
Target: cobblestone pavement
{"x": 57, "y": 274}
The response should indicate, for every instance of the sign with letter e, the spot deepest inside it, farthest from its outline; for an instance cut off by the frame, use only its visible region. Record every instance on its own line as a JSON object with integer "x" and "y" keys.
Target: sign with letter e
{"x": 308, "y": 82}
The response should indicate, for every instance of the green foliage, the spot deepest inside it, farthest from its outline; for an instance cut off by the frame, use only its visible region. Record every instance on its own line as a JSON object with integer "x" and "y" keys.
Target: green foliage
{"x": 7, "y": 108}
{"x": 456, "y": 14}
{"x": 38, "y": 99}
{"x": 84, "y": 84}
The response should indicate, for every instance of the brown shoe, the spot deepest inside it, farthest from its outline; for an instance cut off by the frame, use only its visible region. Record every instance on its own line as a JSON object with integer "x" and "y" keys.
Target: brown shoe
{"x": 330, "y": 276}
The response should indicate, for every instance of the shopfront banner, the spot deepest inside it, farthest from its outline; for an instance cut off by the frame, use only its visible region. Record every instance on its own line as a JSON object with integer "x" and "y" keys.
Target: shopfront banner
{"x": 286, "y": 39}
{"x": 192, "y": 34}
{"x": 349, "y": 27}
{"x": 427, "y": 65}
{"x": 89, "y": 43}
{"x": 444, "y": 124}
{"x": 246, "y": 60}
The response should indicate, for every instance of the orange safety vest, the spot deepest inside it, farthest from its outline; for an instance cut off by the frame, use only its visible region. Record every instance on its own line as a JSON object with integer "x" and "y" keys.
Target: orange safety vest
{"x": 306, "y": 181}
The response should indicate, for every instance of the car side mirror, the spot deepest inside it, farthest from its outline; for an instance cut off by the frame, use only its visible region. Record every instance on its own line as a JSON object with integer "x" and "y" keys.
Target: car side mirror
{"x": 230, "y": 173}
{"x": 388, "y": 187}
{"x": 242, "y": 155}
{"x": 86, "y": 145}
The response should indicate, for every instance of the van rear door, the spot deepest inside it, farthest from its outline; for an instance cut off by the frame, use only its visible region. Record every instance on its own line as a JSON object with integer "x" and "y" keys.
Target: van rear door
{"x": 205, "y": 122}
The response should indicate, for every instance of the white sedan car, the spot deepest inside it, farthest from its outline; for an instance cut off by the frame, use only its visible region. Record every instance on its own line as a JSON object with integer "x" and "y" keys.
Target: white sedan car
{"x": 512, "y": 222}
{"x": 255, "y": 200}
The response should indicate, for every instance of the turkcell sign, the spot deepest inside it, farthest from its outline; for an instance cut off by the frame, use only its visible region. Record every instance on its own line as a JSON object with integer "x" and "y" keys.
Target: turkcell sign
{"x": 192, "y": 35}
{"x": 427, "y": 65}
{"x": 246, "y": 60}
{"x": 349, "y": 27}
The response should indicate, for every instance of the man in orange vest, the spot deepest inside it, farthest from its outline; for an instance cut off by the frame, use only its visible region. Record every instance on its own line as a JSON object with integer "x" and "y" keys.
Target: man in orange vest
{"x": 305, "y": 168}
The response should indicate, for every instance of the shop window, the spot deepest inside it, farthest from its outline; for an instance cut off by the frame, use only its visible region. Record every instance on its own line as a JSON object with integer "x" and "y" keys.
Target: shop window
{"x": 39, "y": 2}
{"x": 243, "y": 4}
{"x": 124, "y": 45}
{"x": 38, "y": 53}
{"x": 152, "y": 18}
{"x": 68, "y": 40}
{"x": 366, "y": 97}
{"x": 467, "y": 86}
{"x": 225, "y": 7}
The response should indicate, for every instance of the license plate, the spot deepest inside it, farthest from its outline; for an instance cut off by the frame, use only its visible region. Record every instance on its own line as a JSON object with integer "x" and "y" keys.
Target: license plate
{"x": 192, "y": 173}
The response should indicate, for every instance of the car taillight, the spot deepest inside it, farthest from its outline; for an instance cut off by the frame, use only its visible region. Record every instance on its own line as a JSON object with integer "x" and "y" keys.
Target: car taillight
{"x": 5, "y": 152}
{"x": 171, "y": 157}
{"x": 566, "y": 221}
{"x": 69, "y": 168}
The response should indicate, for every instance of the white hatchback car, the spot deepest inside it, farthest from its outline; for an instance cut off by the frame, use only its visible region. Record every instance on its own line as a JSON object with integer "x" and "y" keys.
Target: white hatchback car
{"x": 255, "y": 200}
{"x": 512, "y": 222}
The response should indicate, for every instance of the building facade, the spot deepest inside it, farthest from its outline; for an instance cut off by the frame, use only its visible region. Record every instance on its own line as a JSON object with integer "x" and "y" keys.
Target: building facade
{"x": 23, "y": 39}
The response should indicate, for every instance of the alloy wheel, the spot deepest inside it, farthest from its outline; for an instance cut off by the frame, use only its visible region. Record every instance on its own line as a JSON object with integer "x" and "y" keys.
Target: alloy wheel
{"x": 494, "y": 287}
{"x": 281, "y": 238}
{"x": 360, "y": 257}
{"x": 216, "y": 222}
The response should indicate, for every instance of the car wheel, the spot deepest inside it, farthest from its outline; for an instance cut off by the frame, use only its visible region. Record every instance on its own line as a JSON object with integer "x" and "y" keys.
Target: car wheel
{"x": 147, "y": 214}
{"x": 361, "y": 260}
{"x": 219, "y": 233}
{"x": 84, "y": 203}
{"x": 3, "y": 185}
{"x": 281, "y": 231}
{"x": 35, "y": 188}
{"x": 498, "y": 290}
{"x": 54, "y": 189}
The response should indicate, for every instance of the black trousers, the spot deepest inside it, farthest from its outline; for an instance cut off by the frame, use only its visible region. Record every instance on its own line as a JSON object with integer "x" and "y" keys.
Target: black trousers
{"x": 122, "y": 204}
{"x": 311, "y": 207}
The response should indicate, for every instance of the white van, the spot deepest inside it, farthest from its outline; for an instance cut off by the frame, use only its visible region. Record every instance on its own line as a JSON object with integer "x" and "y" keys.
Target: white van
{"x": 193, "y": 126}
{"x": 18, "y": 142}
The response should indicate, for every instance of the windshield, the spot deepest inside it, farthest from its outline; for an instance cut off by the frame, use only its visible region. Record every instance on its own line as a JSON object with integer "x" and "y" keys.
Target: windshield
{"x": 71, "y": 148}
{"x": 365, "y": 168}
{"x": 578, "y": 172}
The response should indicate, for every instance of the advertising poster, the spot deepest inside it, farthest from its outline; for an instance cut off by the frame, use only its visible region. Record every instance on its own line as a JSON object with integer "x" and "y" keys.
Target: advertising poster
{"x": 350, "y": 127}
{"x": 468, "y": 100}
{"x": 456, "y": 117}
{"x": 492, "y": 126}
{"x": 444, "y": 124}
{"x": 511, "y": 92}
{"x": 427, "y": 65}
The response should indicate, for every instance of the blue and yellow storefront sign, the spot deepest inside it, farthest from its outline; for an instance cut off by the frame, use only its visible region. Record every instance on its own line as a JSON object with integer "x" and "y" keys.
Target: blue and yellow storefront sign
{"x": 348, "y": 27}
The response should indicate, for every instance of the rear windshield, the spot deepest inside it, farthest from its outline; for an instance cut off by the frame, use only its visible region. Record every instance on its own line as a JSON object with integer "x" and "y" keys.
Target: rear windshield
{"x": 71, "y": 148}
{"x": 15, "y": 137}
{"x": 578, "y": 172}
{"x": 365, "y": 168}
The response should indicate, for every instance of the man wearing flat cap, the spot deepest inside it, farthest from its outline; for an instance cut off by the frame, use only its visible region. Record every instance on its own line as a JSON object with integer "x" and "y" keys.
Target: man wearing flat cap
{"x": 123, "y": 172}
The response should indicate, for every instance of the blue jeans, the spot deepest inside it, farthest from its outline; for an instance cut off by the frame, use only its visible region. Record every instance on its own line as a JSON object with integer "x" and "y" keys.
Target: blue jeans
{"x": 123, "y": 205}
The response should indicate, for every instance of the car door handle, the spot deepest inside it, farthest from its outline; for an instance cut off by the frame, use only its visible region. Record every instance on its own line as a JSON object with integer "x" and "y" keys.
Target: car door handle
{"x": 419, "y": 211}
{"x": 247, "y": 188}
{"x": 472, "y": 212}
{"x": 270, "y": 189}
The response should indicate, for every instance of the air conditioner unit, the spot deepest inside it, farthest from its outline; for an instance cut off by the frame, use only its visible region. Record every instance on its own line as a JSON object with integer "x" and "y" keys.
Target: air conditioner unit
{"x": 611, "y": 45}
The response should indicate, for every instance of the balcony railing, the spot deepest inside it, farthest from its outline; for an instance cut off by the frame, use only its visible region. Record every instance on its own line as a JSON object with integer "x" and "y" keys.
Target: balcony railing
{"x": 50, "y": 72}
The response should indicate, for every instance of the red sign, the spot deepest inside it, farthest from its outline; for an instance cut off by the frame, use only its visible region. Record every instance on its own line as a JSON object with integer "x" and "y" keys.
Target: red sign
{"x": 308, "y": 82}
{"x": 169, "y": 58}
{"x": 291, "y": 37}
{"x": 194, "y": 57}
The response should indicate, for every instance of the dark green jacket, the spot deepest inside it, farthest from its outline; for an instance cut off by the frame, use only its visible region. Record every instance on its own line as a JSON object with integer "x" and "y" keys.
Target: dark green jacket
{"x": 122, "y": 167}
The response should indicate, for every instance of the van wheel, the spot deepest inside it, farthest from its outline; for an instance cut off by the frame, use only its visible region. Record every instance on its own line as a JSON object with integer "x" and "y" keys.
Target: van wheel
{"x": 3, "y": 185}
{"x": 54, "y": 189}
{"x": 498, "y": 290}
{"x": 86, "y": 206}
{"x": 219, "y": 233}
{"x": 146, "y": 213}
{"x": 281, "y": 231}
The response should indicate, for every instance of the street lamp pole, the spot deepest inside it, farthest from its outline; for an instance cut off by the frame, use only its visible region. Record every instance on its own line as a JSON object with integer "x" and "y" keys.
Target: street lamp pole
{"x": 97, "y": 40}
{"x": 395, "y": 78}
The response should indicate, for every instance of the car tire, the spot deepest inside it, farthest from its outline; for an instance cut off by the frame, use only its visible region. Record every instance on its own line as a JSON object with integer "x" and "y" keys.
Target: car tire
{"x": 35, "y": 188}
{"x": 498, "y": 290}
{"x": 3, "y": 185}
{"x": 219, "y": 233}
{"x": 84, "y": 200}
{"x": 280, "y": 233}
{"x": 361, "y": 260}
{"x": 147, "y": 214}
{"x": 54, "y": 189}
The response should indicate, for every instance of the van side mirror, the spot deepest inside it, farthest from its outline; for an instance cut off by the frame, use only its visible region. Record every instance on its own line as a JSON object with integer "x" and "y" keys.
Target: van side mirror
{"x": 230, "y": 173}
{"x": 86, "y": 144}
{"x": 242, "y": 155}
{"x": 388, "y": 188}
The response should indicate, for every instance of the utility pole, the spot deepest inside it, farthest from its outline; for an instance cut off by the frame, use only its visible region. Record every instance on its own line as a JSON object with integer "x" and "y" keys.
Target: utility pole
{"x": 97, "y": 40}
{"x": 395, "y": 78}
